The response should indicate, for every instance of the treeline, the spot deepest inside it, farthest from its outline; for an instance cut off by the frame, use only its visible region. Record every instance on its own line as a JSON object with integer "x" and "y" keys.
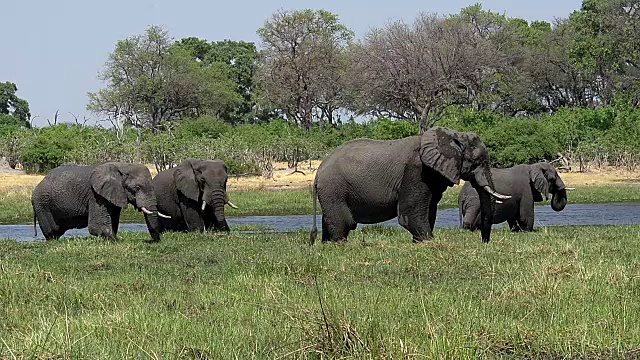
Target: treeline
{"x": 565, "y": 90}
{"x": 311, "y": 69}
{"x": 577, "y": 137}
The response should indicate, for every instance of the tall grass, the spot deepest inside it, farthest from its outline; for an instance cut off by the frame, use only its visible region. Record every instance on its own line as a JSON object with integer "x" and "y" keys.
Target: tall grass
{"x": 557, "y": 292}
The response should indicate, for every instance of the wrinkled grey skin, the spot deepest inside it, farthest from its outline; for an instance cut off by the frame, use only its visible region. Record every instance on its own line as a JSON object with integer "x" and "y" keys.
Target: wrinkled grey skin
{"x": 526, "y": 184}
{"x": 74, "y": 197}
{"x": 369, "y": 181}
{"x": 182, "y": 189}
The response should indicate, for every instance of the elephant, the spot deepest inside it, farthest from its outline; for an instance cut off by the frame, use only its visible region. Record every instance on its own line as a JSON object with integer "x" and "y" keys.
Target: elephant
{"x": 75, "y": 197}
{"x": 367, "y": 181}
{"x": 194, "y": 194}
{"x": 526, "y": 184}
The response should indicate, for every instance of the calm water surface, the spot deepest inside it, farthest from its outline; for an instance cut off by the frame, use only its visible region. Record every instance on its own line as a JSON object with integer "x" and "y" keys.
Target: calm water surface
{"x": 573, "y": 214}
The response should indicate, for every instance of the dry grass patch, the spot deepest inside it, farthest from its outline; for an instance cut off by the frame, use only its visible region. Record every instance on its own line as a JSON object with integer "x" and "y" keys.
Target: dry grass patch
{"x": 285, "y": 178}
{"x": 16, "y": 182}
{"x": 604, "y": 176}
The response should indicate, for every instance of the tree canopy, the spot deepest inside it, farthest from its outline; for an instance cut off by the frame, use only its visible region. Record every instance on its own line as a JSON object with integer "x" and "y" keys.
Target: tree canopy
{"x": 151, "y": 81}
{"x": 13, "y": 110}
{"x": 302, "y": 64}
{"x": 311, "y": 69}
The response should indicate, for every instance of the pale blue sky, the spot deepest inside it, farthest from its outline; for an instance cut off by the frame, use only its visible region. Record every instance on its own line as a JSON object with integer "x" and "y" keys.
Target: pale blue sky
{"x": 53, "y": 50}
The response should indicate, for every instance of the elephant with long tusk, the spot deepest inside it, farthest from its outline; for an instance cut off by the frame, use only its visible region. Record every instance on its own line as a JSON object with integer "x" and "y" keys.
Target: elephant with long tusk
{"x": 526, "y": 184}
{"x": 193, "y": 196}
{"x": 368, "y": 181}
{"x": 73, "y": 197}
{"x": 149, "y": 212}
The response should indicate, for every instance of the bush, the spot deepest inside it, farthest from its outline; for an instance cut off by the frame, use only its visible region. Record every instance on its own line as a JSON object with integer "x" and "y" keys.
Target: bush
{"x": 603, "y": 136}
{"x": 386, "y": 129}
{"x": 44, "y": 154}
{"x": 519, "y": 141}
{"x": 509, "y": 140}
{"x": 206, "y": 126}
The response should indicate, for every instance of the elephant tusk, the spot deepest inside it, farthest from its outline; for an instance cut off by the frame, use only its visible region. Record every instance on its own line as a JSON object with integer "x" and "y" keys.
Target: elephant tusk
{"x": 163, "y": 215}
{"x": 146, "y": 211}
{"x": 498, "y": 202}
{"x": 231, "y": 204}
{"x": 204, "y": 205}
{"x": 569, "y": 189}
{"x": 495, "y": 194}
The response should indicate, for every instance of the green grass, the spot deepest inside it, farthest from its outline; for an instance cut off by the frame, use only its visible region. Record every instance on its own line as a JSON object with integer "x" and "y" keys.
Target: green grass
{"x": 16, "y": 206}
{"x": 560, "y": 291}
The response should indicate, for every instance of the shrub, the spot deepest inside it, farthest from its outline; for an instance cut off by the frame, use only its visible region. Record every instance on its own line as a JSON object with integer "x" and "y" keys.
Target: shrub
{"x": 386, "y": 129}
{"x": 44, "y": 154}
{"x": 203, "y": 127}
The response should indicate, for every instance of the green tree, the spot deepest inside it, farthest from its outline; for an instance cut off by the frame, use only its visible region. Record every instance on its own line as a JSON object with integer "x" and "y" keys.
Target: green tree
{"x": 13, "y": 110}
{"x": 149, "y": 81}
{"x": 416, "y": 71}
{"x": 606, "y": 46}
{"x": 239, "y": 56}
{"x": 302, "y": 64}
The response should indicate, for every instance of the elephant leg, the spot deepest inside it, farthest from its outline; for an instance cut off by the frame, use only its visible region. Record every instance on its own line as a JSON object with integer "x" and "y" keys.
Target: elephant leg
{"x": 526, "y": 216}
{"x": 471, "y": 218}
{"x": 192, "y": 217}
{"x": 208, "y": 219}
{"x": 525, "y": 224}
{"x": 102, "y": 230}
{"x": 115, "y": 220}
{"x": 100, "y": 219}
{"x": 50, "y": 229}
{"x": 415, "y": 203}
{"x": 433, "y": 209}
{"x": 513, "y": 225}
{"x": 336, "y": 224}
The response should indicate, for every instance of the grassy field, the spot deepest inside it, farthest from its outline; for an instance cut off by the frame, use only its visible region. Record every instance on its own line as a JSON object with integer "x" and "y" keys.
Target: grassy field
{"x": 290, "y": 194}
{"x": 558, "y": 292}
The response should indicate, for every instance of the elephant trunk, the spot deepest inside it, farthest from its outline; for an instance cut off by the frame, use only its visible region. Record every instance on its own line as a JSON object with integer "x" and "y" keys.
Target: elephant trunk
{"x": 149, "y": 207}
{"x": 218, "y": 201}
{"x": 153, "y": 225}
{"x": 482, "y": 181}
{"x": 559, "y": 200}
{"x": 487, "y": 205}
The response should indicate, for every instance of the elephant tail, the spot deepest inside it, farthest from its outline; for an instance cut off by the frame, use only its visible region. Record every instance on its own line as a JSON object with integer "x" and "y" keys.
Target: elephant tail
{"x": 460, "y": 211}
{"x": 35, "y": 229}
{"x": 314, "y": 230}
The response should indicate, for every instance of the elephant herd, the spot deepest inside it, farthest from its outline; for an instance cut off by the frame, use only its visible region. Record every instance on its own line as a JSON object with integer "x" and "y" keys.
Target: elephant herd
{"x": 362, "y": 181}
{"x": 189, "y": 197}
{"x": 368, "y": 181}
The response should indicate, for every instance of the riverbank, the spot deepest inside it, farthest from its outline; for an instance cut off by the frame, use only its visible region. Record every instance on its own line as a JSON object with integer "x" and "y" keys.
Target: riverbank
{"x": 271, "y": 296}
{"x": 290, "y": 193}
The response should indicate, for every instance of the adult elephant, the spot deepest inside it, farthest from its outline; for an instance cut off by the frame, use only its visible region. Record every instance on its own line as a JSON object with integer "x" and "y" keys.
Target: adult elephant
{"x": 74, "y": 197}
{"x": 369, "y": 181}
{"x": 194, "y": 195}
{"x": 526, "y": 184}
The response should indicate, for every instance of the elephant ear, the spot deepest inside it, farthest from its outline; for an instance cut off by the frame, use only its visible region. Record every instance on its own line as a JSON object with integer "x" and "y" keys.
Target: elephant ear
{"x": 185, "y": 179}
{"x": 106, "y": 180}
{"x": 539, "y": 183}
{"x": 440, "y": 150}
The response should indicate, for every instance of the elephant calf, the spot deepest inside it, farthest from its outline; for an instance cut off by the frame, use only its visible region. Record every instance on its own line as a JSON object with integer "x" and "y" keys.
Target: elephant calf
{"x": 526, "y": 184}
{"x": 75, "y": 197}
{"x": 194, "y": 195}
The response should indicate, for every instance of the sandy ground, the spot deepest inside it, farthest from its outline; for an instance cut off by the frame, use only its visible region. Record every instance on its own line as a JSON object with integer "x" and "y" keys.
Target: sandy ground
{"x": 285, "y": 178}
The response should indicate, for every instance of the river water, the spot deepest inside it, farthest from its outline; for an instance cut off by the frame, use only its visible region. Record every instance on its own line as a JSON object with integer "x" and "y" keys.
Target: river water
{"x": 574, "y": 214}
